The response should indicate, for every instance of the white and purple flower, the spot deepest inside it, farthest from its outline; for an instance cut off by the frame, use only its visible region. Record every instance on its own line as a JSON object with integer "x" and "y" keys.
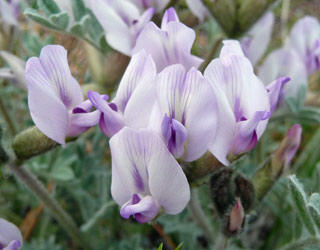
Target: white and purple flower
{"x": 305, "y": 40}
{"x": 185, "y": 112}
{"x": 285, "y": 62}
{"x": 9, "y": 11}
{"x": 170, "y": 44}
{"x": 244, "y": 103}
{"x": 53, "y": 93}
{"x": 145, "y": 176}
{"x": 122, "y": 22}
{"x": 10, "y": 236}
{"x": 134, "y": 100}
{"x": 292, "y": 143}
{"x": 255, "y": 42}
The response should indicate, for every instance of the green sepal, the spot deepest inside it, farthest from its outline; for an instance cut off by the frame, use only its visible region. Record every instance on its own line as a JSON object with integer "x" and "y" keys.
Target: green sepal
{"x": 34, "y": 15}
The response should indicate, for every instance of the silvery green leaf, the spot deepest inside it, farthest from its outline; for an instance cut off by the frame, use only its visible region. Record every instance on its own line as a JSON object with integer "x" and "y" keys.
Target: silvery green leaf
{"x": 34, "y": 15}
{"x": 299, "y": 198}
{"x": 314, "y": 208}
{"x": 302, "y": 93}
{"x": 62, "y": 173}
{"x": 298, "y": 227}
{"x": 292, "y": 104}
{"x": 60, "y": 20}
{"x": 80, "y": 28}
{"x": 49, "y": 7}
{"x": 79, "y": 9}
{"x": 303, "y": 244}
{"x": 95, "y": 30}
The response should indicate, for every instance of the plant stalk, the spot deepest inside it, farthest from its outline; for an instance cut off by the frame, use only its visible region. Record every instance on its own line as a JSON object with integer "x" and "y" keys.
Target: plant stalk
{"x": 199, "y": 216}
{"x": 57, "y": 211}
{"x": 212, "y": 54}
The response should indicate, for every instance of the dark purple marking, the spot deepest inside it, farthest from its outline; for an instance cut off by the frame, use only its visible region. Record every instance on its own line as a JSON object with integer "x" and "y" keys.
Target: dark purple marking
{"x": 137, "y": 178}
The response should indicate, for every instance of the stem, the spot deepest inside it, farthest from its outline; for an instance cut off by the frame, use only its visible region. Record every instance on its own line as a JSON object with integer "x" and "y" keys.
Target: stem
{"x": 163, "y": 234}
{"x": 7, "y": 118}
{"x": 171, "y": 4}
{"x": 222, "y": 243}
{"x": 199, "y": 216}
{"x": 93, "y": 44}
{"x": 96, "y": 217}
{"x": 212, "y": 54}
{"x": 284, "y": 19}
{"x": 224, "y": 11}
{"x": 58, "y": 212}
{"x": 250, "y": 11}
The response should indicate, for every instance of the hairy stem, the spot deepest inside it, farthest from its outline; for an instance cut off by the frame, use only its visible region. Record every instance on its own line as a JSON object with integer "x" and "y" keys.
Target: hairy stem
{"x": 284, "y": 19}
{"x": 97, "y": 216}
{"x": 162, "y": 233}
{"x": 58, "y": 212}
{"x": 212, "y": 54}
{"x": 199, "y": 216}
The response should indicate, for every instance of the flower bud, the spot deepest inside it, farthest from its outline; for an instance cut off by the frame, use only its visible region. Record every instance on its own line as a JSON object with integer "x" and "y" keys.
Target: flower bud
{"x": 288, "y": 146}
{"x": 273, "y": 167}
{"x": 236, "y": 219}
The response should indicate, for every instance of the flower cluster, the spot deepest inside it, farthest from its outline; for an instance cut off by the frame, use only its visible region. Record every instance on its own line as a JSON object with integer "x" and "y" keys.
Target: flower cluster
{"x": 165, "y": 110}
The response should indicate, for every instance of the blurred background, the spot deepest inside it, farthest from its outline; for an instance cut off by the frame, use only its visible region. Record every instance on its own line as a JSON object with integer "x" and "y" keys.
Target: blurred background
{"x": 79, "y": 175}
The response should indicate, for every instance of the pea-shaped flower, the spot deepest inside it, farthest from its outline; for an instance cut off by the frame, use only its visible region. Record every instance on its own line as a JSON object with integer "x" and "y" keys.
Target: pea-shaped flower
{"x": 9, "y": 12}
{"x": 256, "y": 40}
{"x": 122, "y": 22}
{"x": 185, "y": 112}
{"x": 244, "y": 103}
{"x": 10, "y": 236}
{"x": 285, "y": 62}
{"x": 53, "y": 94}
{"x": 145, "y": 176}
{"x": 305, "y": 40}
{"x": 170, "y": 44}
{"x": 134, "y": 100}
